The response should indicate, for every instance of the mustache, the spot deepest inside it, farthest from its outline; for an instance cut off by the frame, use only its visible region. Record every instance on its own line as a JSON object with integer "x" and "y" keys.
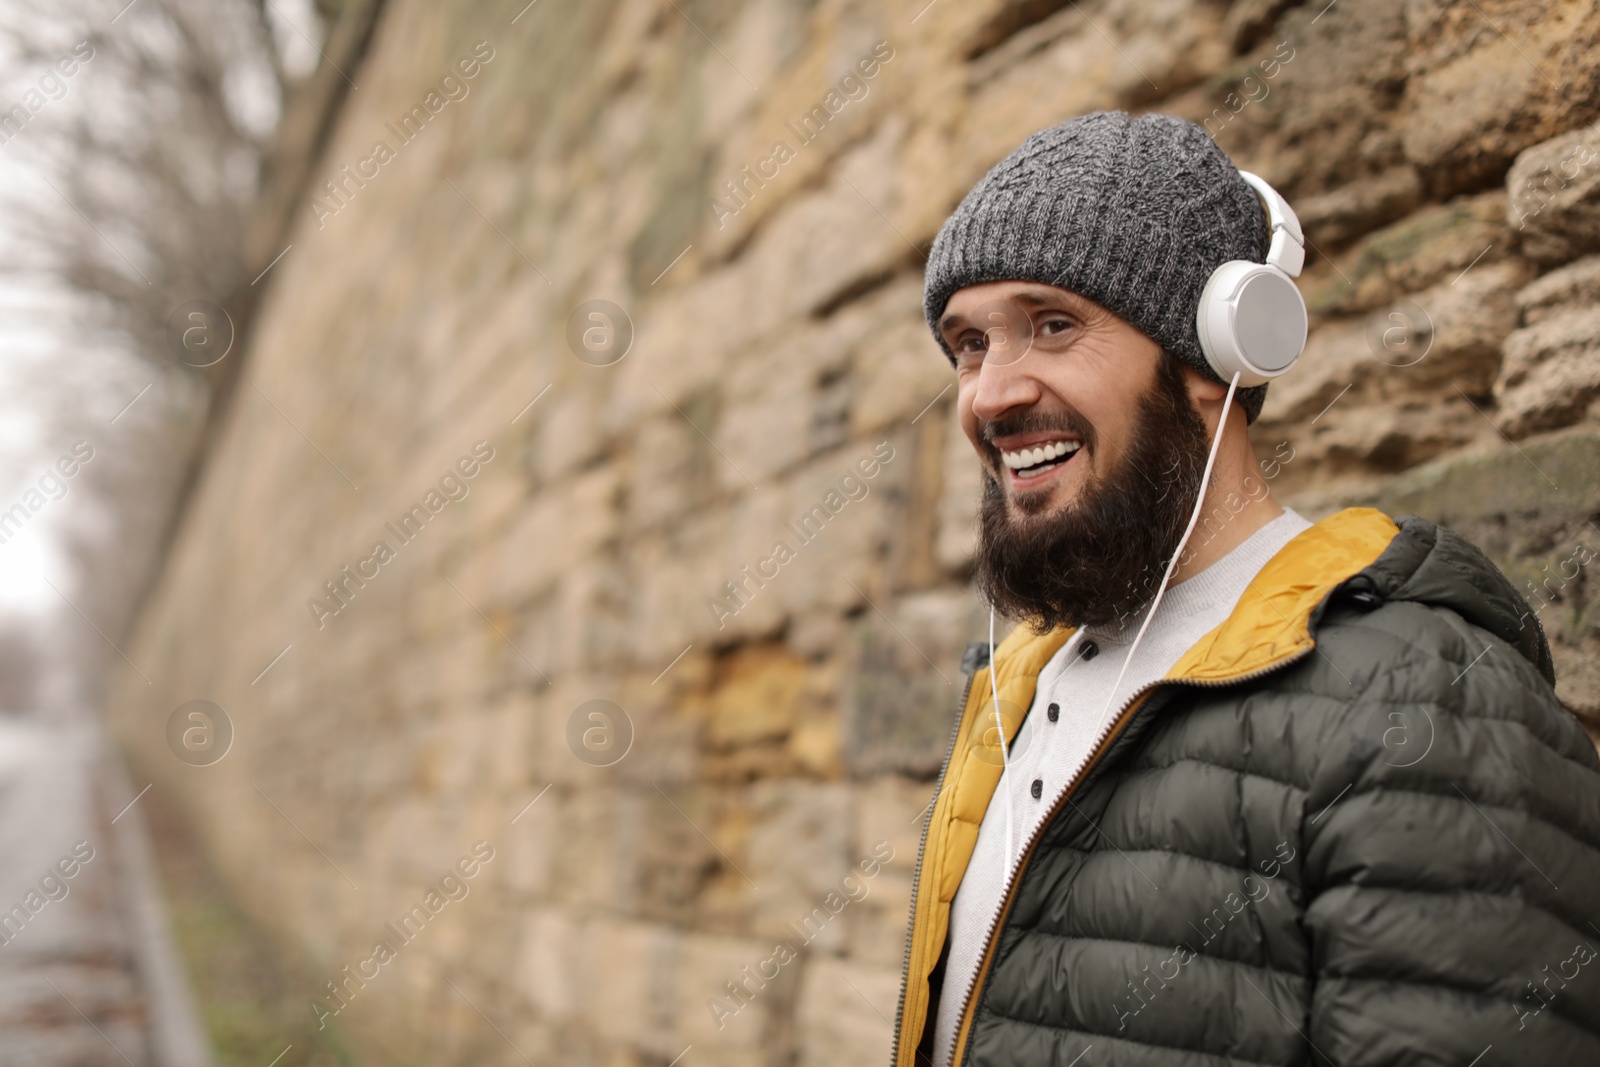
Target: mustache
{"x": 1067, "y": 421}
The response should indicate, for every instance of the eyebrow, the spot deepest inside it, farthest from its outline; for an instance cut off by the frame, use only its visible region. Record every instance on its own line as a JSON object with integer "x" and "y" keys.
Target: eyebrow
{"x": 1030, "y": 297}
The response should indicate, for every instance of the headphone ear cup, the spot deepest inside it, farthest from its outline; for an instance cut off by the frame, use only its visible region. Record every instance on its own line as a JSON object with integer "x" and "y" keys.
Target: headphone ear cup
{"x": 1251, "y": 319}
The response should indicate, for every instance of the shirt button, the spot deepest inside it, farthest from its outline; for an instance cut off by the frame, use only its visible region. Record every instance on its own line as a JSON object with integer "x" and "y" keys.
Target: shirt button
{"x": 1054, "y": 711}
{"x": 1090, "y": 650}
{"x": 1038, "y": 788}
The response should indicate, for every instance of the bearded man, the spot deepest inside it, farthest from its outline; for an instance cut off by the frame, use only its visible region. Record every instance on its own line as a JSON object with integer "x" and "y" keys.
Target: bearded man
{"x": 1309, "y": 798}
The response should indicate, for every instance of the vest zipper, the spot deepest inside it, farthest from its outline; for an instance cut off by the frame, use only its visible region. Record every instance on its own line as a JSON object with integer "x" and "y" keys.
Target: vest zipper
{"x": 1121, "y": 720}
{"x": 916, "y": 874}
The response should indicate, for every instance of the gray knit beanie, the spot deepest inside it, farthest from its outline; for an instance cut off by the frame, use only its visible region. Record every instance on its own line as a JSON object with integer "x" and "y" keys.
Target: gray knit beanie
{"x": 1132, "y": 213}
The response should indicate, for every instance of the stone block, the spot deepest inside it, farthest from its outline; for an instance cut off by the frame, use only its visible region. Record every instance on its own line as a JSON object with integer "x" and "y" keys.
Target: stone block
{"x": 623, "y": 985}
{"x": 905, "y": 683}
{"x": 758, "y": 697}
{"x": 833, "y": 522}
{"x": 508, "y": 728}
{"x": 664, "y": 861}
{"x": 900, "y": 369}
{"x": 798, "y": 854}
{"x": 687, "y": 569}
{"x": 559, "y": 527}
{"x": 956, "y": 537}
{"x": 892, "y": 809}
{"x": 530, "y": 853}
{"x": 877, "y": 923}
{"x": 707, "y": 1015}
{"x": 1468, "y": 318}
{"x": 766, "y": 417}
{"x": 1030, "y": 71}
{"x": 1555, "y": 474}
{"x": 1478, "y": 95}
{"x": 1297, "y": 112}
{"x": 846, "y": 1012}
{"x": 1368, "y": 389}
{"x": 563, "y": 437}
{"x": 838, "y": 240}
{"x": 1434, "y": 244}
{"x": 1332, "y": 218}
{"x": 1551, "y": 372}
{"x": 1553, "y": 196}
{"x": 1577, "y": 283}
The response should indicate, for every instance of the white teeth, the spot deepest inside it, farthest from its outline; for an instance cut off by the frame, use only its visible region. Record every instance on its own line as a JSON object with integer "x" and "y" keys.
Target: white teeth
{"x": 1029, "y": 457}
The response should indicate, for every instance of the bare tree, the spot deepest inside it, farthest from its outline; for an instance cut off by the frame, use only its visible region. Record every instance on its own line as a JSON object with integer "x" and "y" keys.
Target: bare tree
{"x": 159, "y": 157}
{"x": 150, "y": 155}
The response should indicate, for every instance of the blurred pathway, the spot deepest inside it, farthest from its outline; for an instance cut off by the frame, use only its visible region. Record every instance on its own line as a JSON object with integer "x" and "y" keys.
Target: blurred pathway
{"x": 88, "y": 972}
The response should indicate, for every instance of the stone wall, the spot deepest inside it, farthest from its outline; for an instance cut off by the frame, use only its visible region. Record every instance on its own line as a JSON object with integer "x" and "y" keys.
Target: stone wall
{"x": 550, "y": 660}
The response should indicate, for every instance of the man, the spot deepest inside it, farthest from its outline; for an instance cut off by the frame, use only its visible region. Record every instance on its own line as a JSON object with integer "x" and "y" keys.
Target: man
{"x": 1330, "y": 811}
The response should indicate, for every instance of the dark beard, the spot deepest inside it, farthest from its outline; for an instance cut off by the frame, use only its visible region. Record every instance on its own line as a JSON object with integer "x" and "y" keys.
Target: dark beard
{"x": 1101, "y": 558}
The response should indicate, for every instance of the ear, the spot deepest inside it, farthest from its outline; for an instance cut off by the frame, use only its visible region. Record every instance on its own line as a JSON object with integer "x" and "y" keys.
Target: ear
{"x": 1203, "y": 390}
{"x": 1206, "y": 394}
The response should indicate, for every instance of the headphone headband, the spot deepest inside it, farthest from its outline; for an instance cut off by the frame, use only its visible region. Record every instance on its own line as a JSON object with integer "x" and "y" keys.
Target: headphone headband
{"x": 1287, "y": 252}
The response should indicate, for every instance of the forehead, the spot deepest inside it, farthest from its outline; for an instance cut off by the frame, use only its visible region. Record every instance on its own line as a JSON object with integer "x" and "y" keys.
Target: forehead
{"x": 971, "y": 302}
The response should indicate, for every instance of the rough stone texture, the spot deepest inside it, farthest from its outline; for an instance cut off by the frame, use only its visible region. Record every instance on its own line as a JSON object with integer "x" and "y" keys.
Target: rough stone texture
{"x": 781, "y": 712}
{"x": 1553, "y": 191}
{"x": 1487, "y": 80}
{"x": 1575, "y": 283}
{"x": 1551, "y": 372}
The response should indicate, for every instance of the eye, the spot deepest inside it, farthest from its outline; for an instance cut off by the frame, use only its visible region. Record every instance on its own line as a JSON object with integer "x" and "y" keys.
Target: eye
{"x": 971, "y": 343}
{"x": 1054, "y": 325}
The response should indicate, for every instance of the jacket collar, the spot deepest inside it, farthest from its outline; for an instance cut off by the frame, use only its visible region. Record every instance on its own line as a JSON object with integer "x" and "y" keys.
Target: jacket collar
{"x": 1272, "y": 620}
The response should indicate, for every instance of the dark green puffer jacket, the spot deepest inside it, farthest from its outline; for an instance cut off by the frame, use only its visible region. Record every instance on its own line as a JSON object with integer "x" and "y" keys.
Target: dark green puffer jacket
{"x": 1353, "y": 826}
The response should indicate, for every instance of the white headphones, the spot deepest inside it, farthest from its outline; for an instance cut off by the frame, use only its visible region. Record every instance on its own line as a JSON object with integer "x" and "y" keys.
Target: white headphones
{"x": 1252, "y": 318}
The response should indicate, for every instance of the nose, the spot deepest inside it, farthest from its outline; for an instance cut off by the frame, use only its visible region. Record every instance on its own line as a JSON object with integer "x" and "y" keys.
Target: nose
{"x": 1005, "y": 382}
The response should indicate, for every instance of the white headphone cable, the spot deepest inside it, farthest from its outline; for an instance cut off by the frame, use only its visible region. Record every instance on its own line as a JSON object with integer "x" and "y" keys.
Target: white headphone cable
{"x": 1199, "y": 505}
{"x": 994, "y": 685}
{"x": 1000, "y": 728}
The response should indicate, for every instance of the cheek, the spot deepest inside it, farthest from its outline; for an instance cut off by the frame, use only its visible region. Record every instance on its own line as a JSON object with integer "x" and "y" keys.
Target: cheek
{"x": 970, "y": 425}
{"x": 1111, "y": 403}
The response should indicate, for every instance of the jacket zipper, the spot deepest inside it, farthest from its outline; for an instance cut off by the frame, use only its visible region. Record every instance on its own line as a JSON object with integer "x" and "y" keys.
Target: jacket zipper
{"x": 1123, "y": 717}
{"x": 916, "y": 875}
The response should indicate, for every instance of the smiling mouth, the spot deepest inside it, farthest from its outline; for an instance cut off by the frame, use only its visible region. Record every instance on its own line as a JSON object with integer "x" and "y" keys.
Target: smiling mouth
{"x": 1026, "y": 464}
